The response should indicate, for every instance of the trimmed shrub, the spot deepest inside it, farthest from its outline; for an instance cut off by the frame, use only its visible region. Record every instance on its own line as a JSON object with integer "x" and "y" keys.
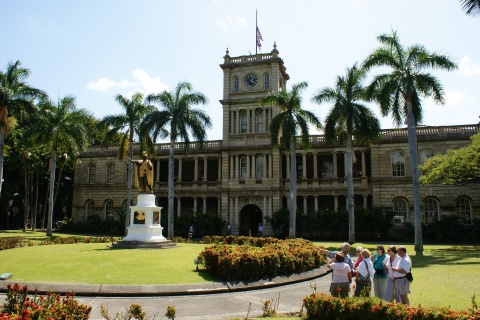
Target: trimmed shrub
{"x": 326, "y": 307}
{"x": 244, "y": 258}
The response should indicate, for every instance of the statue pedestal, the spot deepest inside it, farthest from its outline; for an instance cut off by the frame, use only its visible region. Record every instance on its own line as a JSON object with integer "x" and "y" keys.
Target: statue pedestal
{"x": 145, "y": 230}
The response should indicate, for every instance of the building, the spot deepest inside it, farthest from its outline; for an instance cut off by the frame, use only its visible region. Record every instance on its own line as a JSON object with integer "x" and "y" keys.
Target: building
{"x": 243, "y": 180}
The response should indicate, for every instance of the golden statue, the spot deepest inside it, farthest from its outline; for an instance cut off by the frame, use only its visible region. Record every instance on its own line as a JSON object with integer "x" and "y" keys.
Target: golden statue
{"x": 143, "y": 174}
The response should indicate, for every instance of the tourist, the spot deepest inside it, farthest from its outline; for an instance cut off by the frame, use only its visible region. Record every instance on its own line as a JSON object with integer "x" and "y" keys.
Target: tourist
{"x": 345, "y": 251}
{"x": 400, "y": 270}
{"x": 342, "y": 276}
{"x": 229, "y": 229}
{"x": 281, "y": 232}
{"x": 358, "y": 252}
{"x": 364, "y": 270}
{"x": 389, "y": 262}
{"x": 380, "y": 277}
{"x": 260, "y": 230}
{"x": 190, "y": 231}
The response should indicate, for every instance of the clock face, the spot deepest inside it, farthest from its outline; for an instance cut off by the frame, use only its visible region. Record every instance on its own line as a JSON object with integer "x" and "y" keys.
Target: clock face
{"x": 251, "y": 80}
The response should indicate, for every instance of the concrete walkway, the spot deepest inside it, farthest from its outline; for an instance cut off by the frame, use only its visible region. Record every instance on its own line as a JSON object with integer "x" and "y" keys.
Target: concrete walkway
{"x": 219, "y": 300}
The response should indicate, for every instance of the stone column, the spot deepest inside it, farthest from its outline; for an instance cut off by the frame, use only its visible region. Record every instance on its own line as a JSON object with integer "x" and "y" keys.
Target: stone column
{"x": 219, "y": 207}
{"x": 264, "y": 166}
{"x": 315, "y": 166}
{"x": 236, "y": 210}
{"x": 237, "y": 167}
{"x": 316, "y": 203}
{"x": 270, "y": 213}
{"x": 288, "y": 166}
{"x": 195, "y": 170}
{"x": 270, "y": 174}
{"x": 304, "y": 166}
{"x": 335, "y": 203}
{"x": 230, "y": 216}
{"x": 179, "y": 207}
{"x": 305, "y": 205}
{"x": 335, "y": 174}
{"x": 232, "y": 121}
{"x": 232, "y": 172}
{"x": 254, "y": 166}
{"x": 195, "y": 205}
{"x": 264, "y": 207}
{"x": 179, "y": 169}
{"x": 247, "y": 176}
{"x": 204, "y": 205}
{"x": 264, "y": 120}
{"x": 205, "y": 161}
{"x": 237, "y": 120}
{"x": 364, "y": 165}
{"x": 365, "y": 201}
{"x": 219, "y": 169}
{"x": 248, "y": 120}
{"x": 157, "y": 174}
{"x": 345, "y": 164}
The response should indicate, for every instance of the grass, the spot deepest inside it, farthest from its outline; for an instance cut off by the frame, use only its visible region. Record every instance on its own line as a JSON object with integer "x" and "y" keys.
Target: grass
{"x": 444, "y": 276}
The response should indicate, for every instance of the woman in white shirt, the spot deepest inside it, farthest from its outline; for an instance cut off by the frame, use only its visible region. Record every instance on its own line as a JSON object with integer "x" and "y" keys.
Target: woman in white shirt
{"x": 391, "y": 260}
{"x": 365, "y": 269}
{"x": 342, "y": 276}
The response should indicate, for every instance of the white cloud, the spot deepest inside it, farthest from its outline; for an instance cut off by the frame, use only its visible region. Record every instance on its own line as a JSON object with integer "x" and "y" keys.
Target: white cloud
{"x": 456, "y": 98}
{"x": 142, "y": 82}
{"x": 468, "y": 68}
{"x": 231, "y": 20}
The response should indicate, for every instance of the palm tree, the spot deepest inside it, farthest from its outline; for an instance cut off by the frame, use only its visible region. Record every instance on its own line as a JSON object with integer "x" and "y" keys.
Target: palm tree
{"x": 350, "y": 117}
{"x": 175, "y": 120}
{"x": 128, "y": 124}
{"x": 471, "y": 7}
{"x": 15, "y": 95}
{"x": 63, "y": 127}
{"x": 399, "y": 93}
{"x": 285, "y": 125}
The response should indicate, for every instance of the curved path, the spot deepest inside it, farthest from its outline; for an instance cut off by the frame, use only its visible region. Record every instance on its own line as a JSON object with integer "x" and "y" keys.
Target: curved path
{"x": 197, "y": 301}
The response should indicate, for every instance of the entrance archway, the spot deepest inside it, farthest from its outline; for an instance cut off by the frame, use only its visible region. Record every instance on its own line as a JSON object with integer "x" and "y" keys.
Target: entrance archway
{"x": 250, "y": 217}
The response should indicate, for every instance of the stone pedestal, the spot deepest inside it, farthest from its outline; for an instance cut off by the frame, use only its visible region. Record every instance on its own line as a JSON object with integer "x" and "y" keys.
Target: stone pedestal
{"x": 145, "y": 230}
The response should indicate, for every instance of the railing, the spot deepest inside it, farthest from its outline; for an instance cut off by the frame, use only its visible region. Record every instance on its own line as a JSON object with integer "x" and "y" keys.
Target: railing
{"x": 468, "y": 129}
{"x": 252, "y": 58}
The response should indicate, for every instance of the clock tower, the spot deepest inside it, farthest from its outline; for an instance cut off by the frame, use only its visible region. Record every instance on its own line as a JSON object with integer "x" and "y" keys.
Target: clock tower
{"x": 251, "y": 170}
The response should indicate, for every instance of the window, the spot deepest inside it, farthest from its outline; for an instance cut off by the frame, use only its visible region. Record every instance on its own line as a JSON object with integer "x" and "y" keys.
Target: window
{"x": 243, "y": 168}
{"x": 110, "y": 173}
{"x": 430, "y": 208}
{"x": 398, "y": 164}
{"x": 89, "y": 208}
{"x": 464, "y": 210}
{"x": 259, "y": 167}
{"x": 425, "y": 154}
{"x": 235, "y": 84}
{"x": 108, "y": 209}
{"x": 259, "y": 123}
{"x": 400, "y": 207}
{"x": 243, "y": 123}
{"x": 266, "y": 81}
{"x": 327, "y": 170}
{"x": 91, "y": 173}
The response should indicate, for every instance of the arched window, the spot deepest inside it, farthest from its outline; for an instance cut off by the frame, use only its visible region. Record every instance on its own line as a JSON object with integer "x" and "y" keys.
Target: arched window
{"x": 243, "y": 168}
{"x": 110, "y": 173}
{"x": 89, "y": 208}
{"x": 259, "y": 123}
{"x": 108, "y": 209}
{"x": 243, "y": 123}
{"x": 398, "y": 164}
{"x": 327, "y": 170}
{"x": 431, "y": 211}
{"x": 92, "y": 168}
{"x": 400, "y": 208}
{"x": 463, "y": 208}
{"x": 235, "y": 84}
{"x": 425, "y": 154}
{"x": 259, "y": 168}
{"x": 266, "y": 81}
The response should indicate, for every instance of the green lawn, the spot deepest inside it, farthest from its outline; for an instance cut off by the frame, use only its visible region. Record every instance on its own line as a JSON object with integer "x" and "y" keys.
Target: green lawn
{"x": 444, "y": 276}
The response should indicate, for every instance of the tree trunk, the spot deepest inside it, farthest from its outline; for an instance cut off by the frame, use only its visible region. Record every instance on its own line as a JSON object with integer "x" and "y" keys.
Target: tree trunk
{"x": 130, "y": 179}
{"x": 350, "y": 195}
{"x": 57, "y": 188}
{"x": 35, "y": 203}
{"x": 45, "y": 206}
{"x": 171, "y": 172}
{"x": 412, "y": 145}
{"x": 53, "y": 165}
{"x": 26, "y": 202}
{"x": 293, "y": 189}
{"x": 2, "y": 150}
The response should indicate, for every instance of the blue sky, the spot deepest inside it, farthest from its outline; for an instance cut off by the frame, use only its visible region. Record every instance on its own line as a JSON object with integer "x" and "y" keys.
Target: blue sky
{"x": 97, "y": 49}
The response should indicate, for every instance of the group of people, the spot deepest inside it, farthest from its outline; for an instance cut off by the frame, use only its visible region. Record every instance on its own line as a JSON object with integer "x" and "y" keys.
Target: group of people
{"x": 390, "y": 271}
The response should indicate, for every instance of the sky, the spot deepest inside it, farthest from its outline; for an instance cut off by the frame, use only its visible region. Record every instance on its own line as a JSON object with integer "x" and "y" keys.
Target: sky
{"x": 95, "y": 50}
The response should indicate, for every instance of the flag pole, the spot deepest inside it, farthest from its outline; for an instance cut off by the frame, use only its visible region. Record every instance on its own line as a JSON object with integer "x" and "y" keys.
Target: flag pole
{"x": 256, "y": 28}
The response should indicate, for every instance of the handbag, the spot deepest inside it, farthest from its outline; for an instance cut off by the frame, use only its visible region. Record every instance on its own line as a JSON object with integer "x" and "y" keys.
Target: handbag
{"x": 364, "y": 280}
{"x": 379, "y": 272}
{"x": 409, "y": 277}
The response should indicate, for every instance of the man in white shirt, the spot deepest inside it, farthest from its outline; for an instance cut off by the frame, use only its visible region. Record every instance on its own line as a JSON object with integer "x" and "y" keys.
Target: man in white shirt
{"x": 345, "y": 251}
{"x": 400, "y": 270}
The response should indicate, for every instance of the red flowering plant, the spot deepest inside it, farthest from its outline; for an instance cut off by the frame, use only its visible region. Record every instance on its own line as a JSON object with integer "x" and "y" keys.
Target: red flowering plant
{"x": 243, "y": 258}
{"x": 20, "y": 306}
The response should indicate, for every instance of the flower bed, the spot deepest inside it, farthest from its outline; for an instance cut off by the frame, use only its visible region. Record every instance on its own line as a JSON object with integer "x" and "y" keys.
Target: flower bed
{"x": 243, "y": 258}
{"x": 325, "y": 307}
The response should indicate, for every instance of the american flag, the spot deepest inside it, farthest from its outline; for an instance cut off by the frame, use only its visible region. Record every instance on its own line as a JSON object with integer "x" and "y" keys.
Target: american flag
{"x": 259, "y": 38}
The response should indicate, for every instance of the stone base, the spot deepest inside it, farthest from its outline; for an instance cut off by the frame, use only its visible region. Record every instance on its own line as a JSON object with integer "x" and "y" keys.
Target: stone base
{"x": 165, "y": 244}
{"x": 144, "y": 234}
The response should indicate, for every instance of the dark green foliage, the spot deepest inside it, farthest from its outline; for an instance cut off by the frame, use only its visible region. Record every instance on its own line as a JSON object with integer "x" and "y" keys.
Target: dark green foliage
{"x": 205, "y": 224}
{"x": 94, "y": 225}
